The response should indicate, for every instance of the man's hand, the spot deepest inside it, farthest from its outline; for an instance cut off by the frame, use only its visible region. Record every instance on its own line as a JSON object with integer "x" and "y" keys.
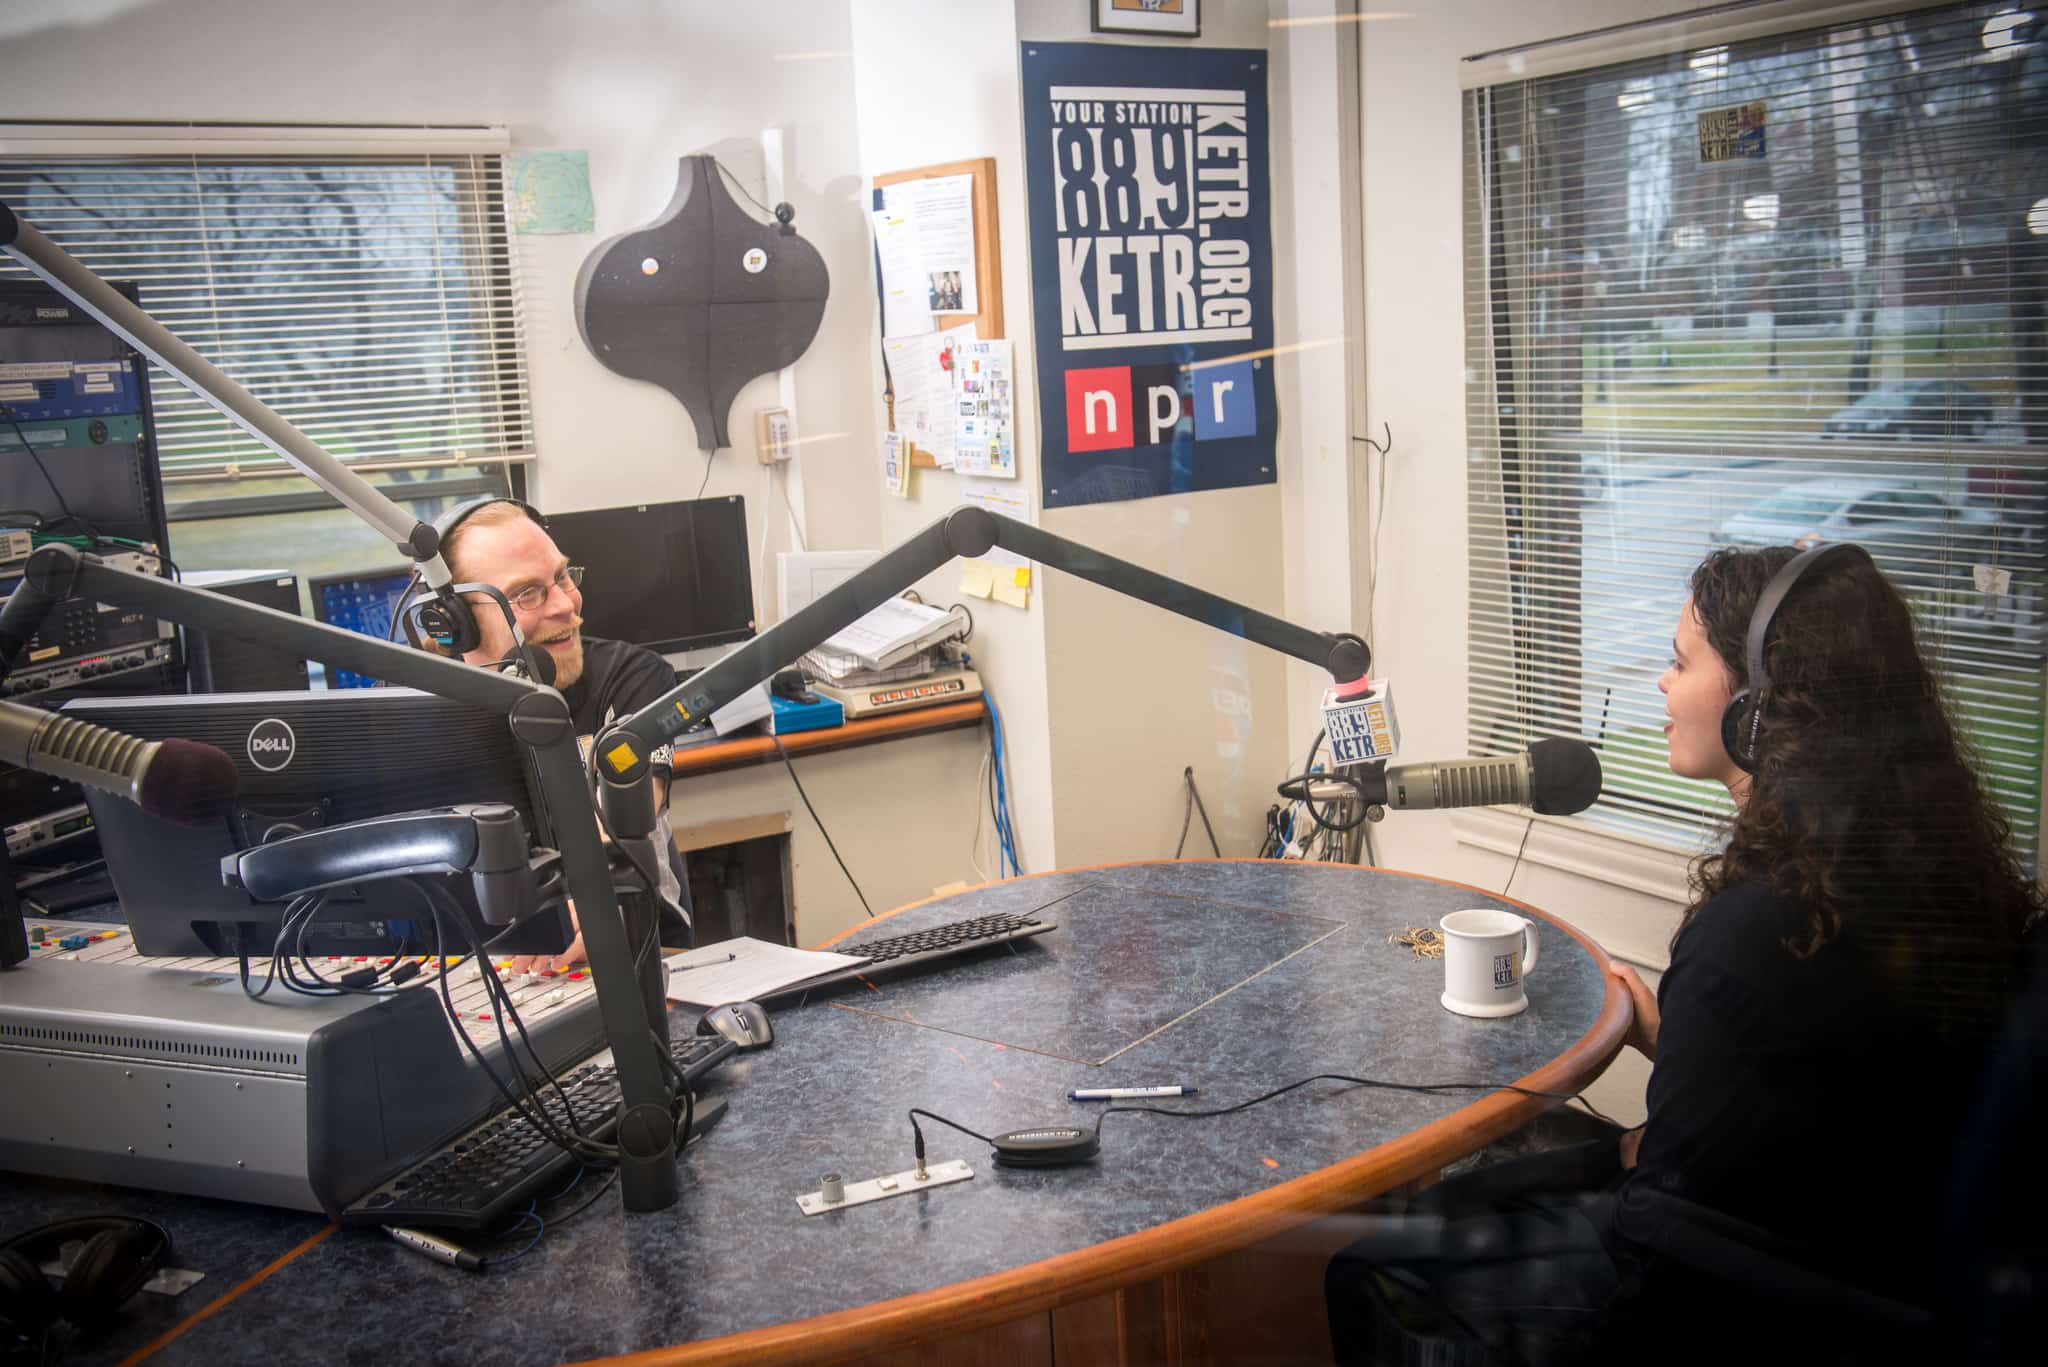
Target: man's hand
{"x": 539, "y": 963}
{"x": 1631, "y": 1140}
{"x": 1642, "y": 1031}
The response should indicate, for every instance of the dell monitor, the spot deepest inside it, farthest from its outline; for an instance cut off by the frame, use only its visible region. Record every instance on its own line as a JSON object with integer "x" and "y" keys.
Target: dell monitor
{"x": 364, "y": 603}
{"x": 310, "y": 760}
{"x": 673, "y": 577}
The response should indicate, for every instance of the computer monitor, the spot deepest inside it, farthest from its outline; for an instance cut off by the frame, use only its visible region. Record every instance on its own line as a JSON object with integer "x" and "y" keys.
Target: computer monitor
{"x": 672, "y": 577}
{"x": 362, "y": 602}
{"x": 309, "y": 760}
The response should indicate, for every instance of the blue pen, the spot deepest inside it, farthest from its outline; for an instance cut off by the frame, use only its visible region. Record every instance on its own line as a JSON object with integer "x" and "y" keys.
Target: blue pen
{"x": 1126, "y": 1093}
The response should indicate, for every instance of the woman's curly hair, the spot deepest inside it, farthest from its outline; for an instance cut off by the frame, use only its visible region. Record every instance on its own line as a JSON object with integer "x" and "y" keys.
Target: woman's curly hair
{"x": 1864, "y": 808}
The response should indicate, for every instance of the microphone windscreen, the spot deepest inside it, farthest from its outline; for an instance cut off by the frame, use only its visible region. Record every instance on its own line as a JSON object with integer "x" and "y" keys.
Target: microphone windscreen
{"x": 188, "y": 784}
{"x": 1564, "y": 776}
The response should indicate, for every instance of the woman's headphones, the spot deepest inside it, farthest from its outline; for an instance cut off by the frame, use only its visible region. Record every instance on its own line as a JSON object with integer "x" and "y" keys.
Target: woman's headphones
{"x": 1742, "y": 723}
{"x": 447, "y": 620}
{"x": 120, "y": 1254}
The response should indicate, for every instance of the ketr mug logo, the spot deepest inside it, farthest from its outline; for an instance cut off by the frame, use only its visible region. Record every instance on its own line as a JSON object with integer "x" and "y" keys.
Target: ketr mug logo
{"x": 272, "y": 745}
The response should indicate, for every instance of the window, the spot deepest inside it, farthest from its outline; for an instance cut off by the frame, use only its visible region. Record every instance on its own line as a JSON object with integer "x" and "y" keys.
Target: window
{"x": 1788, "y": 290}
{"x": 370, "y": 298}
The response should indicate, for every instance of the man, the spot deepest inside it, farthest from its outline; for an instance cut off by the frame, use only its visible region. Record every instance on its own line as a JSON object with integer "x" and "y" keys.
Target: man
{"x": 503, "y": 544}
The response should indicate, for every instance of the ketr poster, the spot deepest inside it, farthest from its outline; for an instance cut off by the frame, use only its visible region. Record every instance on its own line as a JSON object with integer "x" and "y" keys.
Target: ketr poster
{"x": 1152, "y": 269}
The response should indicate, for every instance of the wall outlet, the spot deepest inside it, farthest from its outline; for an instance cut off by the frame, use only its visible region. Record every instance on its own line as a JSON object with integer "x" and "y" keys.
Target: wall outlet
{"x": 774, "y": 436}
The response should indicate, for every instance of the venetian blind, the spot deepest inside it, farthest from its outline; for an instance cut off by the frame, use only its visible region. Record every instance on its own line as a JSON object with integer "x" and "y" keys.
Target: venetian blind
{"x": 1782, "y": 291}
{"x": 370, "y": 299}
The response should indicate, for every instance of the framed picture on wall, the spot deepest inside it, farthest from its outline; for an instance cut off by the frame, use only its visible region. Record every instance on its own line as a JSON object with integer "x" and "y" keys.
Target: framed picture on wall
{"x": 1172, "y": 18}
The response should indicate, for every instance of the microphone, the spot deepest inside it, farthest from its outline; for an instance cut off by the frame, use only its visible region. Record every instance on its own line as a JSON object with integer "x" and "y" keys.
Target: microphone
{"x": 530, "y": 662}
{"x": 1555, "y": 776}
{"x": 179, "y": 781}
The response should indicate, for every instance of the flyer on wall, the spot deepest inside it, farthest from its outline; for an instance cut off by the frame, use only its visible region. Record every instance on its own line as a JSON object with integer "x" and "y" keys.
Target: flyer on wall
{"x": 1152, "y": 269}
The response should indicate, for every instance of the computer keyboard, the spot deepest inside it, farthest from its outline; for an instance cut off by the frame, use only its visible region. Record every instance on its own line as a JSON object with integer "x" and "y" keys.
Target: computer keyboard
{"x": 925, "y": 946}
{"x": 476, "y": 1181}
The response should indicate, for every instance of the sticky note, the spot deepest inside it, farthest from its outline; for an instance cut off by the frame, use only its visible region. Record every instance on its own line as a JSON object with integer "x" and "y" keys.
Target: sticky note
{"x": 1007, "y": 591}
{"x": 1021, "y": 576}
{"x": 977, "y": 578}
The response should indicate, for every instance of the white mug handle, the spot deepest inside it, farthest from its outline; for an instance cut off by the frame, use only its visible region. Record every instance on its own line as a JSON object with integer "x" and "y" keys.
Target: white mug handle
{"x": 1528, "y": 946}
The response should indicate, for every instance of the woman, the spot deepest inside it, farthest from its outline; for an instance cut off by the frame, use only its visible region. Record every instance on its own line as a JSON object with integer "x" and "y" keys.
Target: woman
{"x": 1845, "y": 968}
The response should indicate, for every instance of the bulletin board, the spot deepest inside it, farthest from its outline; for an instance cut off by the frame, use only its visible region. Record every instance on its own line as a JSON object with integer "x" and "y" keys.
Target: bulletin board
{"x": 988, "y": 269}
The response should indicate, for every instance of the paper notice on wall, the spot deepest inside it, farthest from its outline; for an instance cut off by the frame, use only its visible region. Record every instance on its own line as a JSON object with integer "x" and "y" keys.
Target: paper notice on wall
{"x": 941, "y": 213}
{"x": 984, "y": 409}
{"x": 1006, "y": 500}
{"x": 906, "y": 284}
{"x": 896, "y": 464}
{"x": 977, "y": 578}
{"x": 921, "y": 378}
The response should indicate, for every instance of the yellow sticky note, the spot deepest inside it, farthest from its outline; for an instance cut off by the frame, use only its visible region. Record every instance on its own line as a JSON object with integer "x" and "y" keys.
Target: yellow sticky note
{"x": 1021, "y": 577}
{"x": 977, "y": 578}
{"x": 1009, "y": 591}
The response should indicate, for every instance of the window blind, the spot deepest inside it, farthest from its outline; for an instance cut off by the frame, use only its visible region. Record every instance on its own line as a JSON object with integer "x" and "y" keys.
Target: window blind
{"x": 370, "y": 299}
{"x": 1787, "y": 290}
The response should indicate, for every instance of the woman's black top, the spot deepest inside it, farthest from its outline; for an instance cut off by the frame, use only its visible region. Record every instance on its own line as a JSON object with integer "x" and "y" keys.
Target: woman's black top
{"x": 1802, "y": 1096}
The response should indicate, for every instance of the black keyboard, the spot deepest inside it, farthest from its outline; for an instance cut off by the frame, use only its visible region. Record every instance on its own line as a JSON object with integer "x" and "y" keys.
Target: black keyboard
{"x": 924, "y": 946}
{"x": 476, "y": 1181}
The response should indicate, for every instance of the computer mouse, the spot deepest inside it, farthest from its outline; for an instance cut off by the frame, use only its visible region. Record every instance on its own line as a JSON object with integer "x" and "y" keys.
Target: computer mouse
{"x": 744, "y": 1023}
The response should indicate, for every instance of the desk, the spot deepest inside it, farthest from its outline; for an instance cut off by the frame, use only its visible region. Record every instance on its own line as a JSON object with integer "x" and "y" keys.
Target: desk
{"x": 902, "y": 813}
{"x": 1233, "y": 975}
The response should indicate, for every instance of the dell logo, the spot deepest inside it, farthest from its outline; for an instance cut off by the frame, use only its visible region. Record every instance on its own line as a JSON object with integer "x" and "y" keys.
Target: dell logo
{"x": 272, "y": 745}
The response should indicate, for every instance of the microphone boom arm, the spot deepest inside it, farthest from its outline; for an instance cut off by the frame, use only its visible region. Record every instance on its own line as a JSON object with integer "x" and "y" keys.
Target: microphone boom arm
{"x": 964, "y": 532}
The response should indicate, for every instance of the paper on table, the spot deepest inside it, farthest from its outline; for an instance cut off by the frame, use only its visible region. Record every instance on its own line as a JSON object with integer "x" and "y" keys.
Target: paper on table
{"x": 745, "y": 969}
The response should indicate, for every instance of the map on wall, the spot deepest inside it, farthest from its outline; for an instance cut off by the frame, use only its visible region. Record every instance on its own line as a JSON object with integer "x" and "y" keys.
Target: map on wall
{"x": 549, "y": 192}
{"x": 1151, "y": 269}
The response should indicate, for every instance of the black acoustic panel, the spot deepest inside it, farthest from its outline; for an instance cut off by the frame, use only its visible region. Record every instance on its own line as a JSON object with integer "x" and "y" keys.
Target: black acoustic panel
{"x": 1124, "y": 965}
{"x": 702, "y": 300}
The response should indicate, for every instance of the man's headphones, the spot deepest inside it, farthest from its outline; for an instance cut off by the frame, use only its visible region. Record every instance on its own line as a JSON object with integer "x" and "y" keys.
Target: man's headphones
{"x": 1742, "y": 723}
{"x": 120, "y": 1254}
{"x": 448, "y": 620}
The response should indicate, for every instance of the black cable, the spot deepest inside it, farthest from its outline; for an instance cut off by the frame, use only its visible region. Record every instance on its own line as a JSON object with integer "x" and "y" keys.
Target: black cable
{"x": 589, "y": 1150}
{"x": 1298, "y": 789}
{"x": 821, "y": 825}
{"x": 588, "y": 1202}
{"x": 1429, "y": 1087}
{"x": 55, "y": 492}
{"x": 1518, "y": 856}
{"x": 439, "y": 900}
{"x": 1194, "y": 803}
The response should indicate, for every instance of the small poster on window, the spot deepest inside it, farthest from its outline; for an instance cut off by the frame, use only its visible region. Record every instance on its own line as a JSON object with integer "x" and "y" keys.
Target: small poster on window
{"x": 1732, "y": 134}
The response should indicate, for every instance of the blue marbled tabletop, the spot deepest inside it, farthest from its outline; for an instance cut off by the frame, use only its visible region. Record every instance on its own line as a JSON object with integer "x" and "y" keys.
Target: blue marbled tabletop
{"x": 1235, "y": 976}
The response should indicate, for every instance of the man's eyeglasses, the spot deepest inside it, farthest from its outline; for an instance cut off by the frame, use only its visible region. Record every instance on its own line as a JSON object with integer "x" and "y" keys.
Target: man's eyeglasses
{"x": 532, "y": 596}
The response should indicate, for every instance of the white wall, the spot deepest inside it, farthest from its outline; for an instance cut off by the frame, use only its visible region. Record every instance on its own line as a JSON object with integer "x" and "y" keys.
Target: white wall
{"x": 635, "y": 83}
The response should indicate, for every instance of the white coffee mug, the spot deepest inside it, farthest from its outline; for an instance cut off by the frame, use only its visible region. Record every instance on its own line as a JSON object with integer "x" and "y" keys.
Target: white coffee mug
{"x": 1487, "y": 953}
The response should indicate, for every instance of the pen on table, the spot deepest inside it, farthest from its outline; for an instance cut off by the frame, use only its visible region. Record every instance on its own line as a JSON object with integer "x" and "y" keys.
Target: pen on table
{"x": 435, "y": 1247}
{"x": 708, "y": 963}
{"x": 1126, "y": 1093}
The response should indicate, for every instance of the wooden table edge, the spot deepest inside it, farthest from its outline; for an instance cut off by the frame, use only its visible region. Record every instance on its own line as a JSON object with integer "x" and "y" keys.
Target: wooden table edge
{"x": 1145, "y": 1254}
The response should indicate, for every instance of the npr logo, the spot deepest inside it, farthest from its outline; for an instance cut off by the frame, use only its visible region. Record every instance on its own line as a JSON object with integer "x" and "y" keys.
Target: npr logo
{"x": 1106, "y": 407}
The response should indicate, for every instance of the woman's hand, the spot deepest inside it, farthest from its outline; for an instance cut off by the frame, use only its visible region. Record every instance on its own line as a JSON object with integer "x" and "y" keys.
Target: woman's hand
{"x": 1631, "y": 1140}
{"x": 1642, "y": 1031}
